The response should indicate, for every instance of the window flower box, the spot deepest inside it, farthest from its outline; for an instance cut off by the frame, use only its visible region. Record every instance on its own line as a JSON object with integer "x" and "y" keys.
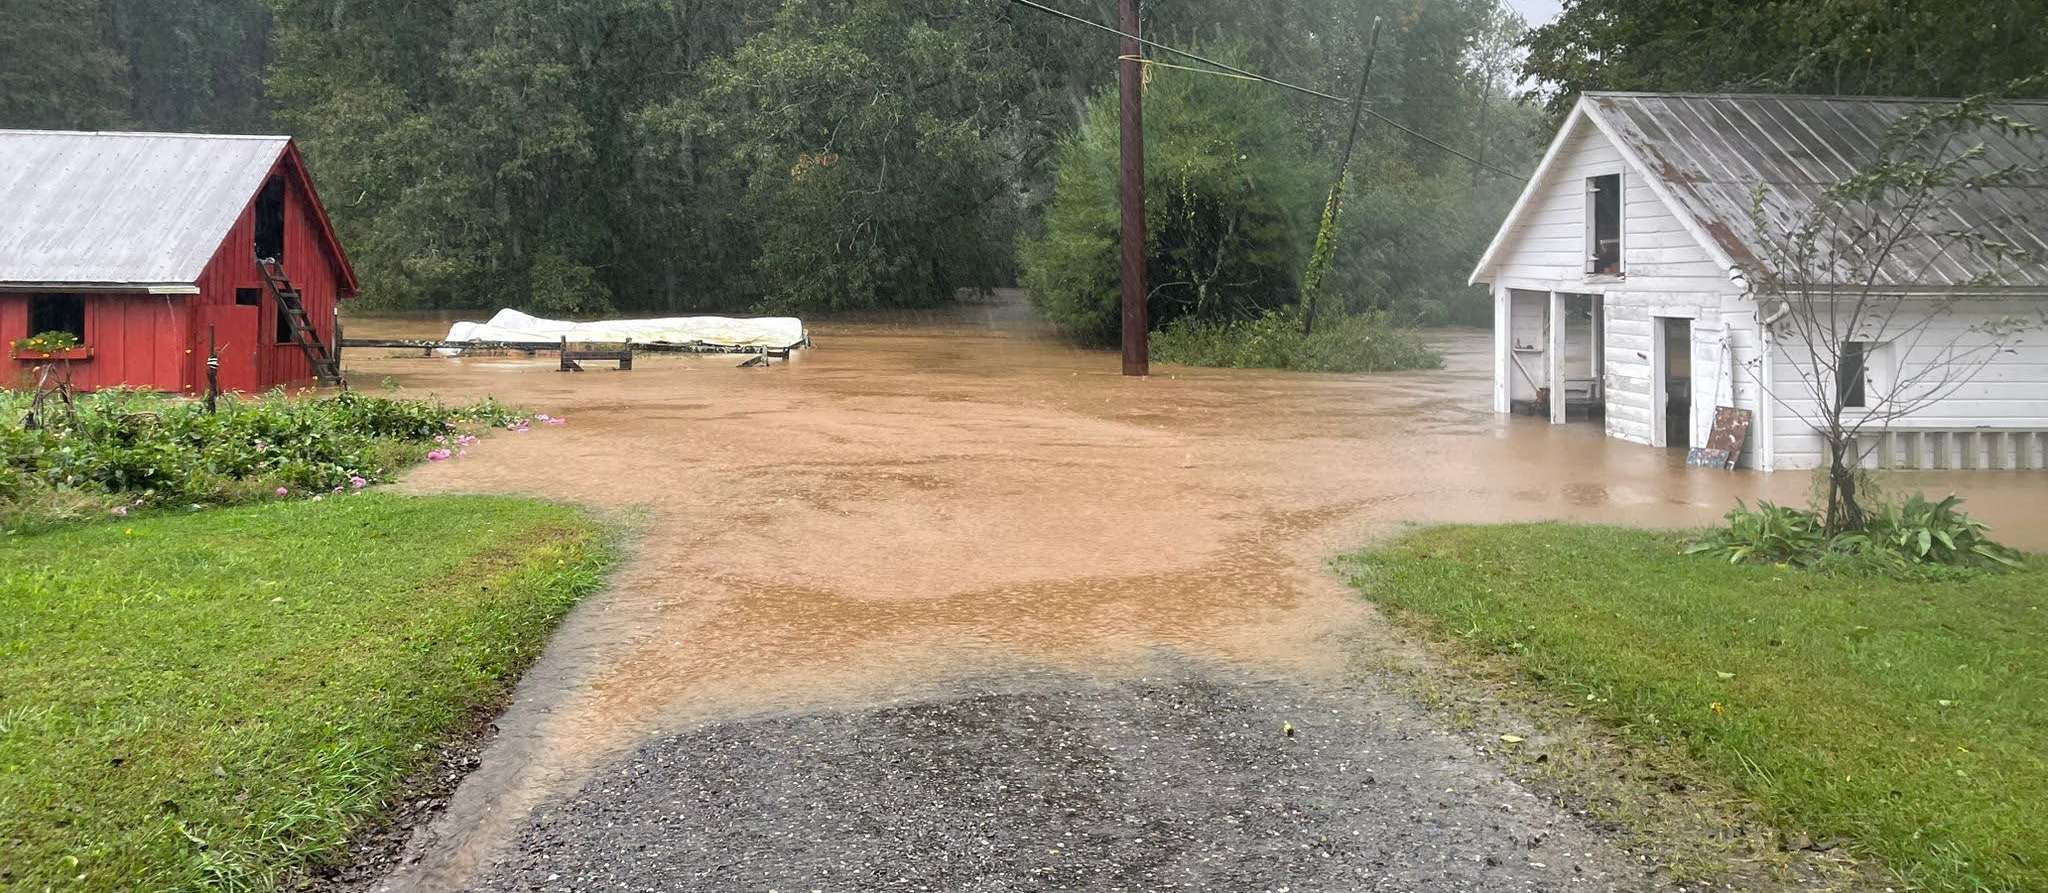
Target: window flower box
{"x": 81, "y": 352}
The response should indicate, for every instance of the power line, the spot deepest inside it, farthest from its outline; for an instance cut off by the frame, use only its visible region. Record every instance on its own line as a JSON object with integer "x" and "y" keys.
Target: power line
{"x": 1180, "y": 52}
{"x": 1255, "y": 76}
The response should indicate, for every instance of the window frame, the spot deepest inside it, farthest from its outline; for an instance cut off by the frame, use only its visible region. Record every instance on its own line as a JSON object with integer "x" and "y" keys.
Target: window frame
{"x": 1591, "y": 192}
{"x": 1872, "y": 367}
{"x": 35, "y": 311}
{"x": 284, "y": 326}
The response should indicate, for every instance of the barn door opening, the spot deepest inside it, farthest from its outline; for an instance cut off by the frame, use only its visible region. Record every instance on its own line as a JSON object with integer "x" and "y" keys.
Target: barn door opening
{"x": 270, "y": 220}
{"x": 235, "y": 332}
{"x": 1674, "y": 383}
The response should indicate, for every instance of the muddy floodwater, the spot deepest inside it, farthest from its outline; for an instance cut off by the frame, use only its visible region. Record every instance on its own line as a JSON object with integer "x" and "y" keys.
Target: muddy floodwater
{"x": 914, "y": 503}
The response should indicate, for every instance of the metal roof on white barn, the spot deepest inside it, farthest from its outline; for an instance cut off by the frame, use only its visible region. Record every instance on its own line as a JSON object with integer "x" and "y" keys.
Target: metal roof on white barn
{"x": 1713, "y": 155}
{"x": 122, "y": 209}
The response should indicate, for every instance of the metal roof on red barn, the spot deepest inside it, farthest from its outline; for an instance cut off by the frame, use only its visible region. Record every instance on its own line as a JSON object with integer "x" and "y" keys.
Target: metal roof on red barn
{"x": 133, "y": 211}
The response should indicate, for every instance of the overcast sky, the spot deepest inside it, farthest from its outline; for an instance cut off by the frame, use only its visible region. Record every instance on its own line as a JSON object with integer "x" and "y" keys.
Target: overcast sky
{"x": 1536, "y": 12}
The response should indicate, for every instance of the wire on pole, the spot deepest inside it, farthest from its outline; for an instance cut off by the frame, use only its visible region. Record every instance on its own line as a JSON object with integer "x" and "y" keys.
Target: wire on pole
{"x": 1242, "y": 74}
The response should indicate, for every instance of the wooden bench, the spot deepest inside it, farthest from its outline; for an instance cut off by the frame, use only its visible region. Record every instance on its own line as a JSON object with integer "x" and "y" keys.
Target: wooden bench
{"x": 572, "y": 357}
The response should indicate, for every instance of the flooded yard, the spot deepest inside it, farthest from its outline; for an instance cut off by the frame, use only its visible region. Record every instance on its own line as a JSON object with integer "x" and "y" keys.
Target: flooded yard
{"x": 915, "y": 509}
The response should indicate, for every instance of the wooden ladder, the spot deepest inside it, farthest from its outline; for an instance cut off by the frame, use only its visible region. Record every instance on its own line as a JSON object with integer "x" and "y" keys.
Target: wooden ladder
{"x": 326, "y": 366}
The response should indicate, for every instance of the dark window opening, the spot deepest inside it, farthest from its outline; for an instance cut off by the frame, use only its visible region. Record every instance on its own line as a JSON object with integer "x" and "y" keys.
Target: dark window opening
{"x": 248, "y": 297}
{"x": 284, "y": 325}
{"x": 57, "y": 313}
{"x": 1603, "y": 229}
{"x": 1849, "y": 375}
{"x": 270, "y": 220}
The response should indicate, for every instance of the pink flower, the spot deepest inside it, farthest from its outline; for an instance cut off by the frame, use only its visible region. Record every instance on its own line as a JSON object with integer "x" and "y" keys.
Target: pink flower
{"x": 555, "y": 421}
{"x": 436, "y": 455}
{"x": 357, "y": 482}
{"x": 543, "y": 417}
{"x": 440, "y": 438}
{"x": 281, "y": 491}
{"x": 337, "y": 488}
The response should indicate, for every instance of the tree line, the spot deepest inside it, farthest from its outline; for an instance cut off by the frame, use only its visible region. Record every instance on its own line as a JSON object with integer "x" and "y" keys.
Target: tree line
{"x": 819, "y": 155}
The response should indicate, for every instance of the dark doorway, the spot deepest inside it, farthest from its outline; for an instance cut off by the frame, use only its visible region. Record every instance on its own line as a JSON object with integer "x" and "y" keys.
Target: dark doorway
{"x": 270, "y": 220}
{"x": 1676, "y": 335}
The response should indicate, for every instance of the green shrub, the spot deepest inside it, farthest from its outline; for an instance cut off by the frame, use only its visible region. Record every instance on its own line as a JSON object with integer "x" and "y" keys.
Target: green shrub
{"x": 1769, "y": 533}
{"x": 1231, "y": 205}
{"x": 1914, "y": 538}
{"x": 1923, "y": 532}
{"x": 1273, "y": 340}
{"x": 120, "y": 449}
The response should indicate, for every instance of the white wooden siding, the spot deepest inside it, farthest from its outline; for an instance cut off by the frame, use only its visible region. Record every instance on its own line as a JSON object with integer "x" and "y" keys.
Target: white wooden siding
{"x": 1667, "y": 272}
{"x": 1547, "y": 248}
{"x": 2011, "y": 393}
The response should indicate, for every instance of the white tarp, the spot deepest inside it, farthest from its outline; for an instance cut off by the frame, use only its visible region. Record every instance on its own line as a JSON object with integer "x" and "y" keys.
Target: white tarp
{"x": 772, "y": 332}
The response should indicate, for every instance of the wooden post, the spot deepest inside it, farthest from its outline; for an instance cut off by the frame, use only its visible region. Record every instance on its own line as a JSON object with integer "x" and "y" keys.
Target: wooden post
{"x": 1336, "y": 201}
{"x": 334, "y": 350}
{"x": 1131, "y": 149}
{"x": 212, "y": 371}
{"x": 1597, "y": 318}
{"x": 1553, "y": 358}
{"x": 1503, "y": 347}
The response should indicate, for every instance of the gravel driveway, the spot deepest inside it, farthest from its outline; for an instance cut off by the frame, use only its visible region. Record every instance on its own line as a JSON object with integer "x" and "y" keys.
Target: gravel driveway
{"x": 1183, "y": 780}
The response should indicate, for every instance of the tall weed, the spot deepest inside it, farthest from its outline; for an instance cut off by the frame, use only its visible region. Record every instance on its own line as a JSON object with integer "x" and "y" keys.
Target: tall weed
{"x": 1366, "y": 342}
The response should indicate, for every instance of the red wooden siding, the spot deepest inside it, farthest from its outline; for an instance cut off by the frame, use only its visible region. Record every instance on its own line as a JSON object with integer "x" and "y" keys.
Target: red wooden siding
{"x": 309, "y": 261}
{"x": 135, "y": 340}
{"x": 157, "y": 341}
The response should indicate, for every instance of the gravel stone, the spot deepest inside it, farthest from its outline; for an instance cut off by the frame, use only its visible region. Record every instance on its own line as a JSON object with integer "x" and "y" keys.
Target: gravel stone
{"x": 1185, "y": 780}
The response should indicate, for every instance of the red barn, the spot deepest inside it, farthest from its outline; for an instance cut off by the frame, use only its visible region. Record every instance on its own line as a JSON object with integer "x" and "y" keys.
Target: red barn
{"x": 148, "y": 245}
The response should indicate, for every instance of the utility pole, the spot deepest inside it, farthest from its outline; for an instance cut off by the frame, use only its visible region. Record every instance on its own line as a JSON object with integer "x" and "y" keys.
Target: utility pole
{"x": 1372, "y": 47}
{"x": 1319, "y": 261}
{"x": 1131, "y": 187}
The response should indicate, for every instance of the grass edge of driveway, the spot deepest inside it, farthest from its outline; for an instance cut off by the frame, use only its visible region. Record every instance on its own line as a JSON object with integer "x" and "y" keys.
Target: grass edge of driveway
{"x": 1893, "y": 720}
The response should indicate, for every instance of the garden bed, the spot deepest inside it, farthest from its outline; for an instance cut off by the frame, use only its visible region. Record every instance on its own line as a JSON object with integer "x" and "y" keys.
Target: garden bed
{"x": 1904, "y": 720}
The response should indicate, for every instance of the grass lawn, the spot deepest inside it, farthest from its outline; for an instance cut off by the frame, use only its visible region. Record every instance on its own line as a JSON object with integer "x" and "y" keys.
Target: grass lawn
{"x": 1908, "y": 721}
{"x": 216, "y": 700}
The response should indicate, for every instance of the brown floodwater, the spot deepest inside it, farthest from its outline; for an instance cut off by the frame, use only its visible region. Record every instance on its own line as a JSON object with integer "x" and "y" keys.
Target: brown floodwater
{"x": 916, "y": 502}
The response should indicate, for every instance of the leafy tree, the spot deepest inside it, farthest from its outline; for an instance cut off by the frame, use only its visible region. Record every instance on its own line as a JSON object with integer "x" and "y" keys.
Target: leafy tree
{"x": 59, "y": 68}
{"x": 195, "y": 64}
{"x": 699, "y": 154}
{"x": 872, "y": 145}
{"x": 1229, "y": 209}
{"x": 1872, "y": 47}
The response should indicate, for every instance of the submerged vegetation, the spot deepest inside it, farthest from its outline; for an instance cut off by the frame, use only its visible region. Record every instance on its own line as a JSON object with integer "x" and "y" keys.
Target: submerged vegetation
{"x": 1902, "y": 719}
{"x": 116, "y": 451}
{"x": 218, "y": 700}
{"x": 1274, "y": 340}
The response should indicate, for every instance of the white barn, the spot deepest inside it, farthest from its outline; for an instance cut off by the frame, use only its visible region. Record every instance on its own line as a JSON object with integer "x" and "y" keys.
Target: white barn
{"x": 1616, "y": 283}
